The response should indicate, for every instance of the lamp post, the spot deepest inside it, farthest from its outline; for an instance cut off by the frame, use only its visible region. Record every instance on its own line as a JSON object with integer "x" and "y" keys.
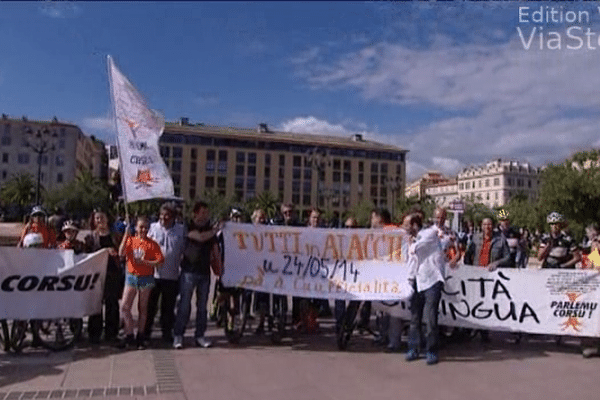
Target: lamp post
{"x": 318, "y": 159}
{"x": 41, "y": 142}
{"x": 394, "y": 185}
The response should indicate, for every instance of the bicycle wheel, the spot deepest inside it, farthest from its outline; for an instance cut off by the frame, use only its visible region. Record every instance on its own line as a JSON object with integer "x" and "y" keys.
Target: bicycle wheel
{"x": 57, "y": 334}
{"x": 237, "y": 318}
{"x": 4, "y": 336}
{"x": 17, "y": 334}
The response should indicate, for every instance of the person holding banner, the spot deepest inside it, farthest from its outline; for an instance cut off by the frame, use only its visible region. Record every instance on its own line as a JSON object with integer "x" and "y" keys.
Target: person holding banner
{"x": 101, "y": 237}
{"x": 170, "y": 236}
{"x": 142, "y": 256}
{"x": 558, "y": 249}
{"x": 37, "y": 224}
{"x": 70, "y": 232}
{"x": 426, "y": 276}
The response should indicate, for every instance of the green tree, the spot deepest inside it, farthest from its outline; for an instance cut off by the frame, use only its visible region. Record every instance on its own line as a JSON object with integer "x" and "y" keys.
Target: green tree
{"x": 362, "y": 212}
{"x": 219, "y": 205}
{"x": 476, "y": 212}
{"x": 265, "y": 200}
{"x": 20, "y": 191}
{"x": 572, "y": 191}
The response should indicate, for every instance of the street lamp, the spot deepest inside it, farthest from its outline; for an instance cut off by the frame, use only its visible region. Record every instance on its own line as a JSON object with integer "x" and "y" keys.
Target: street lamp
{"x": 394, "y": 185}
{"x": 41, "y": 142}
{"x": 318, "y": 159}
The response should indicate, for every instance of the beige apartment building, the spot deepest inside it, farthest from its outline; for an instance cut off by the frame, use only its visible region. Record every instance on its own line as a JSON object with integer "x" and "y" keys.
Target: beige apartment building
{"x": 443, "y": 193}
{"x": 494, "y": 183}
{"x": 69, "y": 151}
{"x": 333, "y": 173}
{"x": 419, "y": 187}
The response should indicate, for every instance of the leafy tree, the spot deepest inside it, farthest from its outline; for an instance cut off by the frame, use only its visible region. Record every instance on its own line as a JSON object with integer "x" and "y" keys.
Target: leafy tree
{"x": 476, "y": 212}
{"x": 19, "y": 191}
{"x": 265, "y": 200}
{"x": 572, "y": 190}
{"x": 362, "y": 212}
{"x": 219, "y": 205}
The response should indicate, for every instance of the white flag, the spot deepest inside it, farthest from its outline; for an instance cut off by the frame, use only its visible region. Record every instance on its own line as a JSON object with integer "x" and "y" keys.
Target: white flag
{"x": 144, "y": 175}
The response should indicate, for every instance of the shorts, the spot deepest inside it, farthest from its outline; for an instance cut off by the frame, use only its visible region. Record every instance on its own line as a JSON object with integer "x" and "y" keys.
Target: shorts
{"x": 139, "y": 282}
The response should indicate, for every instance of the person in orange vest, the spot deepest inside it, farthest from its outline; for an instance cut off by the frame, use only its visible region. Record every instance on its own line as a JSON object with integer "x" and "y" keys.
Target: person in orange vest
{"x": 37, "y": 224}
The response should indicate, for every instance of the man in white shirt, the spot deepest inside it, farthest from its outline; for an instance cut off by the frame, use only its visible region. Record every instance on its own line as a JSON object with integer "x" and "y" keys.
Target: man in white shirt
{"x": 426, "y": 276}
{"x": 170, "y": 236}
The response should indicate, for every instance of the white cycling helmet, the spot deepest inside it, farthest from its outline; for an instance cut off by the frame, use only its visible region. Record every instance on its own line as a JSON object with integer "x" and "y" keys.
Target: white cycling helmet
{"x": 555, "y": 218}
{"x": 33, "y": 240}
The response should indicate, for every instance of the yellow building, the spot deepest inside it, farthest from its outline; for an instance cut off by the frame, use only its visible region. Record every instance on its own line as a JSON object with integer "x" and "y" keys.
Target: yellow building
{"x": 67, "y": 151}
{"x": 330, "y": 172}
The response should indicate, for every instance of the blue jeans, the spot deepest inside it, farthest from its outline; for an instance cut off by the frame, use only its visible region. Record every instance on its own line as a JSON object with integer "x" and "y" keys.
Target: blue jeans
{"x": 425, "y": 304}
{"x": 187, "y": 283}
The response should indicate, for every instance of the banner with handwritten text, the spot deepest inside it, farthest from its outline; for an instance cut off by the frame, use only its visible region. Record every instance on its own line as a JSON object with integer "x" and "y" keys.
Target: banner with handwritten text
{"x": 350, "y": 264}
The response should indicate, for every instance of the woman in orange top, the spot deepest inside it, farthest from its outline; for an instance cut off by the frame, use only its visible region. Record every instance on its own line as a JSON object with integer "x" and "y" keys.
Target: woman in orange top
{"x": 37, "y": 224}
{"x": 142, "y": 255}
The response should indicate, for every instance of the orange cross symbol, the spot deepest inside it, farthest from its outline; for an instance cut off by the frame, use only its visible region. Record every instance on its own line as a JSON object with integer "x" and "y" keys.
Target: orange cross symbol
{"x": 572, "y": 322}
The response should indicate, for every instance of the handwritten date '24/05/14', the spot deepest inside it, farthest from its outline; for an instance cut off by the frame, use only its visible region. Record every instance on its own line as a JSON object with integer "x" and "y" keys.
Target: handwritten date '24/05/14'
{"x": 314, "y": 267}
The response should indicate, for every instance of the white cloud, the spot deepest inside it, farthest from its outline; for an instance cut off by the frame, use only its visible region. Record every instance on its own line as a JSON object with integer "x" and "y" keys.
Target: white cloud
{"x": 101, "y": 127}
{"x": 59, "y": 9}
{"x": 515, "y": 103}
{"x": 314, "y": 125}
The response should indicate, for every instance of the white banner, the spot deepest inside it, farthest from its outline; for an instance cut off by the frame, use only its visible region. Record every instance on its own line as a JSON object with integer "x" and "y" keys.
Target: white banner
{"x": 368, "y": 264}
{"x": 349, "y": 264}
{"x": 144, "y": 174}
{"x": 46, "y": 284}
{"x": 546, "y": 301}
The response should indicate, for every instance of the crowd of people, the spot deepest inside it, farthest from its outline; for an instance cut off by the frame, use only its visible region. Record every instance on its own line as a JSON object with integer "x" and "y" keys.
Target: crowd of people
{"x": 164, "y": 262}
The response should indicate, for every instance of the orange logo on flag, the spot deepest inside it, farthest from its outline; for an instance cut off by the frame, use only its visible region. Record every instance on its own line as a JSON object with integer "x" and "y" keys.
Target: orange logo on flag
{"x": 144, "y": 178}
{"x": 132, "y": 126}
{"x": 571, "y": 322}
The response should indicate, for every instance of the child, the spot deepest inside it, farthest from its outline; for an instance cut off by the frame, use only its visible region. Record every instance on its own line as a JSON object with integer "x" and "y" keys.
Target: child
{"x": 70, "y": 231}
{"x": 142, "y": 255}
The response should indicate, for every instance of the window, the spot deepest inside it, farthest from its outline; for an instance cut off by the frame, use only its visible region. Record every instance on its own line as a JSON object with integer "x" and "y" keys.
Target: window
{"x": 3, "y": 174}
{"x": 4, "y": 158}
{"x": 267, "y": 185}
{"x": 306, "y": 200}
{"x": 487, "y": 183}
{"x": 176, "y": 166}
{"x": 296, "y": 173}
{"x": 282, "y": 159}
{"x": 210, "y": 167}
{"x": 59, "y": 178}
{"x": 267, "y": 172}
{"x": 398, "y": 169}
{"x": 177, "y": 152}
{"x": 192, "y": 180}
{"x": 251, "y": 170}
{"x": 297, "y": 161}
{"x": 7, "y": 129}
{"x": 23, "y": 158}
{"x": 240, "y": 157}
{"x": 5, "y": 141}
{"x": 251, "y": 158}
{"x": 239, "y": 170}
{"x": 336, "y": 176}
{"x": 461, "y": 186}
{"x": 529, "y": 182}
{"x": 374, "y": 168}
{"x": 193, "y": 155}
{"x": 251, "y": 184}
{"x": 306, "y": 186}
{"x": 361, "y": 166}
{"x": 222, "y": 167}
{"x": 346, "y": 165}
{"x": 267, "y": 159}
{"x": 295, "y": 198}
{"x": 221, "y": 182}
{"x": 496, "y": 181}
{"x": 176, "y": 179}
{"x": 480, "y": 183}
{"x": 374, "y": 179}
{"x": 222, "y": 155}
{"x": 346, "y": 177}
{"x": 192, "y": 193}
{"x": 165, "y": 151}
{"x": 468, "y": 185}
{"x": 336, "y": 164}
{"x": 210, "y": 155}
{"x": 61, "y": 144}
{"x": 384, "y": 168}
{"x": 193, "y": 167}
{"x": 360, "y": 179}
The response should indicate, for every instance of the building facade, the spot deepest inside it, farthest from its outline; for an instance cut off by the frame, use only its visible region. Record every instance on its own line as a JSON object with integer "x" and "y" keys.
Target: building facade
{"x": 332, "y": 173}
{"x": 69, "y": 151}
{"x": 419, "y": 187}
{"x": 496, "y": 182}
{"x": 443, "y": 193}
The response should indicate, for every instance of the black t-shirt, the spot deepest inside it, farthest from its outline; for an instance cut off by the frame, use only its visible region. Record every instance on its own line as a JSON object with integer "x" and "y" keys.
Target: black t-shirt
{"x": 196, "y": 255}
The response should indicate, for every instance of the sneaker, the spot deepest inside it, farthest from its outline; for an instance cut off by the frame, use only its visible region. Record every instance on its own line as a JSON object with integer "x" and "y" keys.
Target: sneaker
{"x": 411, "y": 355}
{"x": 178, "y": 342}
{"x": 432, "y": 358}
{"x": 589, "y": 352}
{"x": 127, "y": 343}
{"x": 203, "y": 342}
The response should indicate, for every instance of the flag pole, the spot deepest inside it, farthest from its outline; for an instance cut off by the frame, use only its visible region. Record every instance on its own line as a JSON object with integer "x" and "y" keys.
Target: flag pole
{"x": 114, "y": 120}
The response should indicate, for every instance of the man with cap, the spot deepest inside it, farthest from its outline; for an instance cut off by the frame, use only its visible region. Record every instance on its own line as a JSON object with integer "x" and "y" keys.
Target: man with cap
{"x": 37, "y": 224}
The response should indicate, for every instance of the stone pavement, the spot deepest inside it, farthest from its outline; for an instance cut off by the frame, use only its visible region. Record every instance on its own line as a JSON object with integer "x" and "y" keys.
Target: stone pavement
{"x": 303, "y": 367}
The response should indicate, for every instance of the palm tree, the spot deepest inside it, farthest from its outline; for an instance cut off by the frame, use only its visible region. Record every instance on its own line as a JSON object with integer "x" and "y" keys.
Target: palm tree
{"x": 20, "y": 191}
{"x": 266, "y": 201}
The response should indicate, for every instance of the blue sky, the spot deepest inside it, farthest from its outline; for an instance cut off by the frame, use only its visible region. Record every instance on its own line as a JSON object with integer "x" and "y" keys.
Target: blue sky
{"x": 452, "y": 83}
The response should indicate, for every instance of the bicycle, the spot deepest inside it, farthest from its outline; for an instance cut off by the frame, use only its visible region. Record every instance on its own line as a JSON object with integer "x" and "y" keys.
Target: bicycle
{"x": 233, "y": 309}
{"x": 52, "y": 334}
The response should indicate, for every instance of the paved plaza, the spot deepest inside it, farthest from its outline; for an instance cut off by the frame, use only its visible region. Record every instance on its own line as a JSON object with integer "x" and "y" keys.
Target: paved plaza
{"x": 303, "y": 367}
